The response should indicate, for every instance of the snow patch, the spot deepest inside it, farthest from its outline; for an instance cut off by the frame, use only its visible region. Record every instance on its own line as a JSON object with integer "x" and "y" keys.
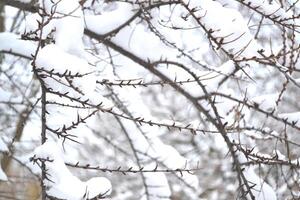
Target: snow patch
{"x": 62, "y": 183}
{"x": 11, "y": 42}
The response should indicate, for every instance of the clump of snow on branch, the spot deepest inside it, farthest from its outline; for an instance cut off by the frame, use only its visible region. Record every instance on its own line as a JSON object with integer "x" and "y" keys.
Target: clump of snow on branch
{"x": 66, "y": 56}
{"x": 61, "y": 183}
{"x": 52, "y": 57}
{"x": 68, "y": 24}
{"x": 293, "y": 117}
{"x": 261, "y": 189}
{"x": 3, "y": 147}
{"x": 10, "y": 42}
{"x": 231, "y": 32}
{"x": 120, "y": 14}
{"x": 266, "y": 102}
{"x": 143, "y": 43}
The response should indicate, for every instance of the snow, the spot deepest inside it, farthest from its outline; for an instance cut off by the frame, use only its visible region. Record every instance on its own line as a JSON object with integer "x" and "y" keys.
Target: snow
{"x": 149, "y": 143}
{"x": 261, "y": 190}
{"x": 32, "y": 25}
{"x": 119, "y": 15}
{"x": 52, "y": 57}
{"x": 237, "y": 40}
{"x": 25, "y": 1}
{"x": 143, "y": 43}
{"x": 12, "y": 43}
{"x": 274, "y": 9}
{"x": 3, "y": 146}
{"x": 279, "y": 155}
{"x": 135, "y": 38}
{"x": 67, "y": 55}
{"x": 68, "y": 14}
{"x": 170, "y": 157}
{"x": 158, "y": 186}
{"x": 3, "y": 176}
{"x": 93, "y": 187}
{"x": 62, "y": 183}
{"x": 150, "y": 147}
{"x": 220, "y": 73}
{"x": 266, "y": 102}
{"x": 157, "y": 183}
{"x": 293, "y": 117}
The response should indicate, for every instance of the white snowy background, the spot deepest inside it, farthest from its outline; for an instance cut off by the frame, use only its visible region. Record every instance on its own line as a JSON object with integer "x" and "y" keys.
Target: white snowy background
{"x": 99, "y": 62}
